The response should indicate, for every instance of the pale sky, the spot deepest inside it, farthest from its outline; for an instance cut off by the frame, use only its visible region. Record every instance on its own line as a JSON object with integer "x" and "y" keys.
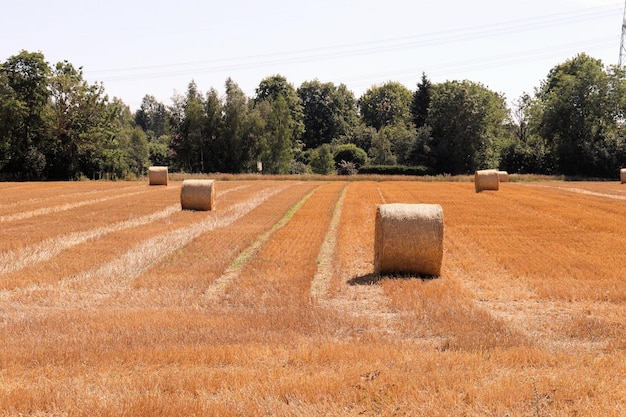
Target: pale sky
{"x": 139, "y": 47}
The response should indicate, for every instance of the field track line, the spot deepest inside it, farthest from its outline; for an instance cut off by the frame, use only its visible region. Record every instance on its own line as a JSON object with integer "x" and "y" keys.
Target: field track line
{"x": 64, "y": 207}
{"x": 61, "y": 193}
{"x": 217, "y": 289}
{"x": 105, "y": 280}
{"x": 320, "y": 283}
{"x": 14, "y": 261}
{"x": 580, "y": 191}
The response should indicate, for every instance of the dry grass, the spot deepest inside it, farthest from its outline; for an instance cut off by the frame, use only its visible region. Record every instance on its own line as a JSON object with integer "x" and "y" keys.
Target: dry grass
{"x": 144, "y": 311}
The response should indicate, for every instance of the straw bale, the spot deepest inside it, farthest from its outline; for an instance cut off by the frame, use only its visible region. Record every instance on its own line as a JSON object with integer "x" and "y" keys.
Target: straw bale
{"x": 503, "y": 176}
{"x": 622, "y": 175}
{"x": 486, "y": 179}
{"x": 198, "y": 195}
{"x": 157, "y": 175}
{"x": 408, "y": 239}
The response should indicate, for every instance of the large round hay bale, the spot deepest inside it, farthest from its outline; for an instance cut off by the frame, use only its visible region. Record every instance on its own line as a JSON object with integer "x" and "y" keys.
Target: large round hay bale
{"x": 486, "y": 179}
{"x": 198, "y": 195}
{"x": 408, "y": 239}
{"x": 503, "y": 176}
{"x": 622, "y": 175}
{"x": 157, "y": 175}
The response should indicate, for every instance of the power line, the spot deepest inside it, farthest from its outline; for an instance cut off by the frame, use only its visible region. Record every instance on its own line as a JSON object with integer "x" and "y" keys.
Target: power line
{"x": 358, "y": 49}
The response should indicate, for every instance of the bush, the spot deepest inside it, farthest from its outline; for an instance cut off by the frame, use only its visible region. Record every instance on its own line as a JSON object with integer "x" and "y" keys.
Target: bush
{"x": 346, "y": 168}
{"x": 350, "y": 153}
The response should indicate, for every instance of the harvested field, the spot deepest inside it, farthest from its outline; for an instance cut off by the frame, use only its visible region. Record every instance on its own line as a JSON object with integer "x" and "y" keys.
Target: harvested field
{"x": 115, "y": 302}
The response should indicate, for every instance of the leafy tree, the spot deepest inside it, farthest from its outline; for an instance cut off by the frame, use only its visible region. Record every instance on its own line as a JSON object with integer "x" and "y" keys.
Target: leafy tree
{"x": 360, "y": 135}
{"x": 380, "y": 153}
{"x": 188, "y": 139}
{"x": 84, "y": 127}
{"x": 466, "y": 120}
{"x": 421, "y": 102}
{"x": 321, "y": 160}
{"x": 279, "y": 151}
{"x": 152, "y": 117}
{"x": 329, "y": 112}
{"x": 234, "y": 140}
{"x": 386, "y": 104}
{"x": 212, "y": 158}
{"x": 576, "y": 111}
{"x": 23, "y": 98}
{"x": 271, "y": 88}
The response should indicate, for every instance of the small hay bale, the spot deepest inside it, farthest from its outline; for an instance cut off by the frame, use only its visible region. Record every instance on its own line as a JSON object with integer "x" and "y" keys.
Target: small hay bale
{"x": 408, "y": 239}
{"x": 198, "y": 195}
{"x": 503, "y": 176}
{"x": 157, "y": 175}
{"x": 622, "y": 175}
{"x": 486, "y": 179}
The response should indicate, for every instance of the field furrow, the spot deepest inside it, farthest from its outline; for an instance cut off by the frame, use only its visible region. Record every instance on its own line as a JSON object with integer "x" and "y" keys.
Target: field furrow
{"x": 280, "y": 274}
{"x": 213, "y": 259}
{"x": 27, "y": 197}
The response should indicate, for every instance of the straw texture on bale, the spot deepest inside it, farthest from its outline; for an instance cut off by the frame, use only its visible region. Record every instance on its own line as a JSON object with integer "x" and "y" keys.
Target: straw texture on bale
{"x": 503, "y": 176}
{"x": 198, "y": 195}
{"x": 157, "y": 175}
{"x": 408, "y": 239}
{"x": 622, "y": 175}
{"x": 486, "y": 179}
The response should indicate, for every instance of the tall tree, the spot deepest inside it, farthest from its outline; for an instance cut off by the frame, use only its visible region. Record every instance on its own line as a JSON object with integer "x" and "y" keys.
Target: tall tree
{"x": 84, "y": 125}
{"x": 23, "y": 98}
{"x": 277, "y": 85}
{"x": 467, "y": 120}
{"x": 421, "y": 102}
{"x": 187, "y": 140}
{"x": 386, "y": 104}
{"x": 576, "y": 111}
{"x": 329, "y": 112}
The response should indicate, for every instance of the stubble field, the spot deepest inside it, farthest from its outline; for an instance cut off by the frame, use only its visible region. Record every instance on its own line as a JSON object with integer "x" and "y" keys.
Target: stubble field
{"x": 115, "y": 302}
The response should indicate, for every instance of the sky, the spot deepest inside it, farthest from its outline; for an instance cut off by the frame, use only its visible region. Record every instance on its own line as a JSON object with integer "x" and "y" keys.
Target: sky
{"x": 139, "y": 47}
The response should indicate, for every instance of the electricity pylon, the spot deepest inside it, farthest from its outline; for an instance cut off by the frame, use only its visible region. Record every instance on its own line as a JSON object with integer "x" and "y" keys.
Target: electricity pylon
{"x": 622, "y": 47}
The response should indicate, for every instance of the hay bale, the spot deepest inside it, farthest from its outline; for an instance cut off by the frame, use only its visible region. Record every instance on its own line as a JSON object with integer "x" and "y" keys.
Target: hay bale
{"x": 503, "y": 176}
{"x": 622, "y": 175}
{"x": 157, "y": 175}
{"x": 486, "y": 179}
{"x": 198, "y": 195}
{"x": 408, "y": 239}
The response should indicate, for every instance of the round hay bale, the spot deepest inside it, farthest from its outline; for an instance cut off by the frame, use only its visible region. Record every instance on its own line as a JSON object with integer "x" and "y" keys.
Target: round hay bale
{"x": 157, "y": 175}
{"x": 622, "y": 175}
{"x": 486, "y": 179}
{"x": 198, "y": 195}
{"x": 503, "y": 176}
{"x": 408, "y": 239}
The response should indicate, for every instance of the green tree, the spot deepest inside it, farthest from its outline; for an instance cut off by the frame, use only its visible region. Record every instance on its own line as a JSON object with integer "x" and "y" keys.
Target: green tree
{"x": 152, "y": 117}
{"x": 234, "y": 141}
{"x": 278, "y": 132}
{"x": 387, "y": 104}
{"x": 329, "y": 112}
{"x": 321, "y": 160}
{"x": 271, "y": 88}
{"x": 84, "y": 127}
{"x": 23, "y": 98}
{"x": 421, "y": 102}
{"x": 188, "y": 139}
{"x": 467, "y": 121}
{"x": 577, "y": 109}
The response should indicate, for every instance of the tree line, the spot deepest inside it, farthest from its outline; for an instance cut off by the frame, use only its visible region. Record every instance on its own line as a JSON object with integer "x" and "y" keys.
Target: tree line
{"x": 56, "y": 125}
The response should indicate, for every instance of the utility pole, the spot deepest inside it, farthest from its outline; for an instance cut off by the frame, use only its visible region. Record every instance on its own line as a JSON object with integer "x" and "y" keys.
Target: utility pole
{"x": 622, "y": 47}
